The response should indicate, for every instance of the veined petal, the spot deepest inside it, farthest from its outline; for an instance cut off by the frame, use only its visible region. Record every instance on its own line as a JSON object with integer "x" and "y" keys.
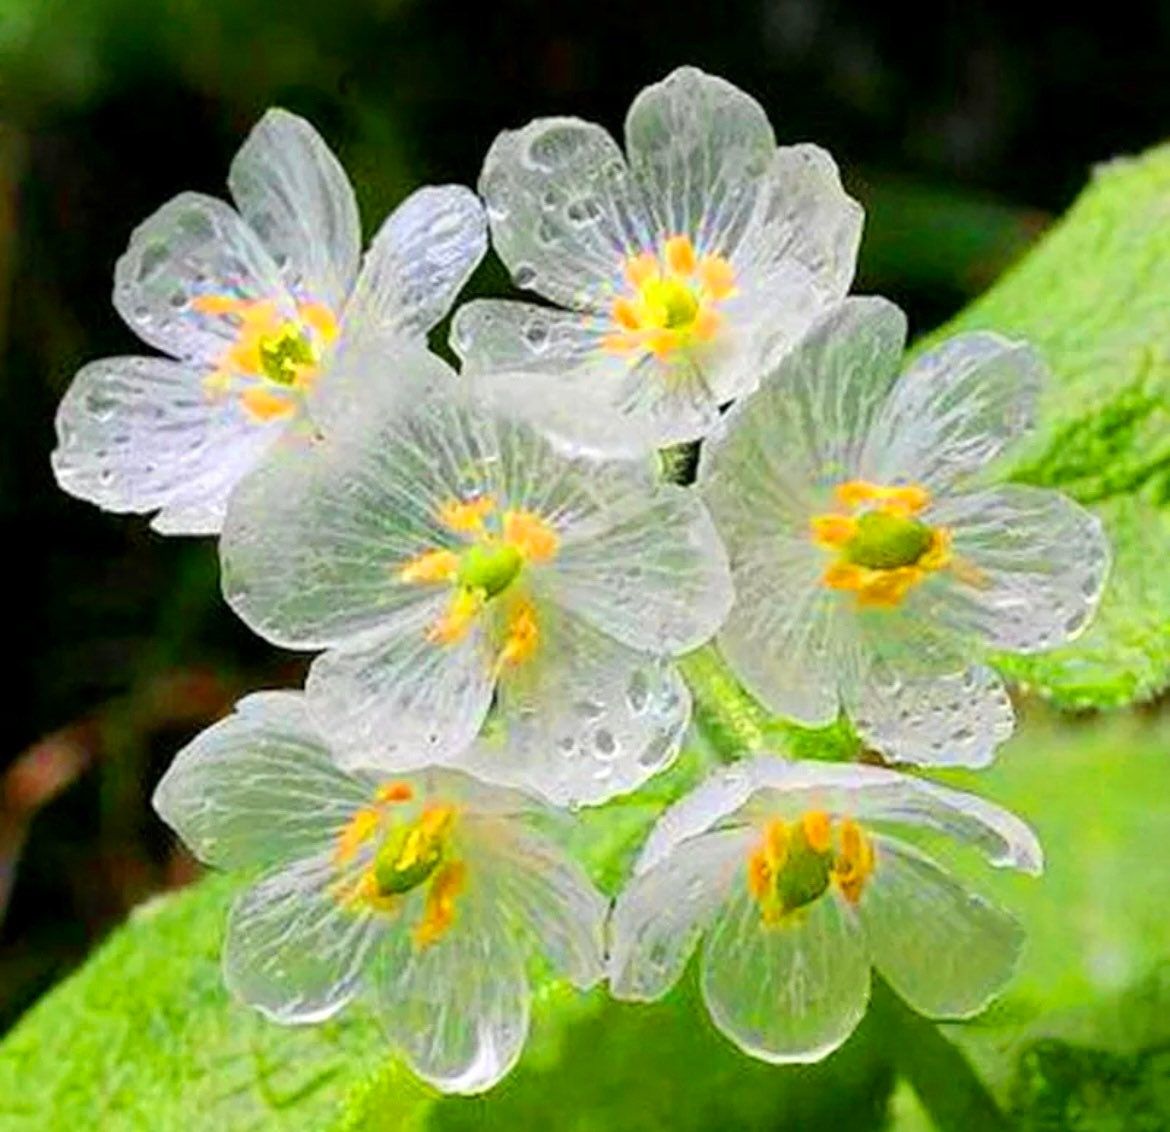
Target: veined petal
{"x": 1034, "y": 563}
{"x": 791, "y": 992}
{"x": 953, "y": 411}
{"x": 945, "y": 950}
{"x": 662, "y": 912}
{"x": 418, "y": 262}
{"x": 458, "y": 1008}
{"x": 565, "y": 214}
{"x": 296, "y": 197}
{"x": 259, "y": 787}
{"x": 502, "y": 335}
{"x": 700, "y": 148}
{"x": 293, "y": 950}
{"x": 141, "y": 434}
{"x": 193, "y": 246}
{"x": 584, "y": 718}
{"x": 397, "y": 699}
{"x": 656, "y": 579}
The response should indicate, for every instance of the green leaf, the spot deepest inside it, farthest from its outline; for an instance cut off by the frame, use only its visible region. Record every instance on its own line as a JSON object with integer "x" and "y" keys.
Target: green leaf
{"x": 1094, "y": 298}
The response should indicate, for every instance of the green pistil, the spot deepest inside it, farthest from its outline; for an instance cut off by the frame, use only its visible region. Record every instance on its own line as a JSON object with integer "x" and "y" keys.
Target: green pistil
{"x": 885, "y": 541}
{"x": 490, "y": 567}
{"x": 284, "y": 354}
{"x": 804, "y": 875}
{"x": 673, "y": 302}
{"x": 397, "y": 872}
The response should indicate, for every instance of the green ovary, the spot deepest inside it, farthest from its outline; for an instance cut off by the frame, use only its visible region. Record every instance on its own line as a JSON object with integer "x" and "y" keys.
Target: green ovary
{"x": 803, "y": 877}
{"x": 673, "y": 304}
{"x": 406, "y": 859}
{"x": 283, "y": 355}
{"x": 885, "y": 541}
{"x": 489, "y": 567}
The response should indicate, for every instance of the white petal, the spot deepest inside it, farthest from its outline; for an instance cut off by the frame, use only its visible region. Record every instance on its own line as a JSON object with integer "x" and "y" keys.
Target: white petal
{"x": 655, "y": 578}
{"x": 790, "y": 993}
{"x": 779, "y": 453}
{"x": 397, "y": 700}
{"x": 1039, "y": 567}
{"x": 953, "y": 411}
{"x": 585, "y": 718}
{"x": 945, "y": 950}
{"x": 661, "y": 913}
{"x": 193, "y": 246}
{"x": 779, "y": 638}
{"x": 459, "y": 1008}
{"x": 292, "y": 950}
{"x": 258, "y": 787}
{"x": 564, "y": 212}
{"x": 700, "y": 148}
{"x": 140, "y": 434}
{"x": 316, "y": 536}
{"x": 953, "y": 719}
{"x": 505, "y": 335}
{"x": 417, "y": 264}
{"x": 296, "y": 197}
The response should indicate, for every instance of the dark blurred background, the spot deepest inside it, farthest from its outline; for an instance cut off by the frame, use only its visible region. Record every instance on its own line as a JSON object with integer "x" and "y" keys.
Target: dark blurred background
{"x": 963, "y": 127}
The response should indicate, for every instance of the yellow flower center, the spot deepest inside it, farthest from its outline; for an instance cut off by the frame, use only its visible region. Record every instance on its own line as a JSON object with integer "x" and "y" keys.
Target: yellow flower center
{"x": 274, "y": 360}
{"x": 881, "y": 548}
{"x": 673, "y": 301}
{"x": 403, "y": 853}
{"x": 485, "y": 574}
{"x": 794, "y": 863}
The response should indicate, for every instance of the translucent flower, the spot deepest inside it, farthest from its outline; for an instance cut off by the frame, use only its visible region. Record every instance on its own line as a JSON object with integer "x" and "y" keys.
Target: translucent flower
{"x": 801, "y": 876}
{"x": 252, "y": 308}
{"x": 449, "y": 556}
{"x": 873, "y": 569}
{"x": 427, "y": 893}
{"x": 669, "y": 264}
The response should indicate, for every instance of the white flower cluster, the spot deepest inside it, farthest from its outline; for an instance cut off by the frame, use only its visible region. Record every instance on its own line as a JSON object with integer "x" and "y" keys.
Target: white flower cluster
{"x": 498, "y": 579}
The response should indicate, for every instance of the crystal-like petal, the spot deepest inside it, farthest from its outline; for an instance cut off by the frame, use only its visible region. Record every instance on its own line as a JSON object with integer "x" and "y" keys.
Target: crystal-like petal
{"x": 193, "y": 246}
{"x": 141, "y": 434}
{"x": 565, "y": 213}
{"x": 294, "y": 950}
{"x": 1033, "y": 567}
{"x": 259, "y": 787}
{"x": 420, "y": 259}
{"x": 945, "y": 950}
{"x": 296, "y": 197}
{"x": 700, "y": 148}
{"x": 791, "y": 992}
{"x": 953, "y": 411}
{"x": 661, "y": 913}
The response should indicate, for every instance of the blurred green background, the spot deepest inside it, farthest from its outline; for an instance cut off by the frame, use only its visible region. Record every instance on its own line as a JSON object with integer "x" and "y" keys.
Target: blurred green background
{"x": 962, "y": 127}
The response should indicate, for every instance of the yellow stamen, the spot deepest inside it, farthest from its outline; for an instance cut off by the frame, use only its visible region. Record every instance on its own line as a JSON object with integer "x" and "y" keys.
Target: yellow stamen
{"x": 904, "y": 500}
{"x": 522, "y": 639}
{"x": 265, "y": 404}
{"x": 679, "y": 254}
{"x": 439, "y": 909}
{"x": 392, "y": 792}
{"x": 817, "y": 830}
{"x": 854, "y": 861}
{"x": 461, "y": 613}
{"x": 357, "y": 831}
{"x": 833, "y": 531}
{"x": 530, "y": 535}
{"x": 431, "y": 566}
{"x": 467, "y": 516}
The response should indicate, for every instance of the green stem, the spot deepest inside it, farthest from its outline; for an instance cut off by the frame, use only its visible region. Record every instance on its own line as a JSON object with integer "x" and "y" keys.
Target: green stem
{"x": 950, "y": 1091}
{"x": 728, "y": 717}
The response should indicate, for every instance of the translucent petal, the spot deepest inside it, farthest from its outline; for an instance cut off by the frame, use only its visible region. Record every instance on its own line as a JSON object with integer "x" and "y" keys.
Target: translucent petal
{"x": 459, "y": 1008}
{"x": 419, "y": 261}
{"x": 790, "y": 993}
{"x": 953, "y": 411}
{"x": 784, "y": 651}
{"x": 293, "y": 951}
{"x": 140, "y": 434}
{"x": 780, "y": 452}
{"x": 565, "y": 214}
{"x": 656, "y": 578}
{"x": 804, "y": 231}
{"x": 510, "y": 336}
{"x": 546, "y": 894}
{"x": 952, "y": 719}
{"x": 315, "y": 537}
{"x": 259, "y": 787}
{"x": 193, "y": 246}
{"x": 585, "y": 718}
{"x": 661, "y": 913}
{"x": 397, "y": 700}
{"x": 945, "y": 950}
{"x": 766, "y": 783}
{"x": 1035, "y": 565}
{"x": 296, "y": 197}
{"x": 700, "y": 148}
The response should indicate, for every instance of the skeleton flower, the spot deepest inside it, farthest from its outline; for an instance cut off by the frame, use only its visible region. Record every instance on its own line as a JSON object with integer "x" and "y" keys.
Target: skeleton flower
{"x": 251, "y": 307}
{"x": 448, "y": 555}
{"x": 802, "y": 876}
{"x": 669, "y": 263}
{"x": 872, "y": 569}
{"x": 427, "y": 893}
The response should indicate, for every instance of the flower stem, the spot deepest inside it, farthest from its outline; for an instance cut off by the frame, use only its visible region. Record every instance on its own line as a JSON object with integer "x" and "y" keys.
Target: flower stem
{"x": 728, "y": 717}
